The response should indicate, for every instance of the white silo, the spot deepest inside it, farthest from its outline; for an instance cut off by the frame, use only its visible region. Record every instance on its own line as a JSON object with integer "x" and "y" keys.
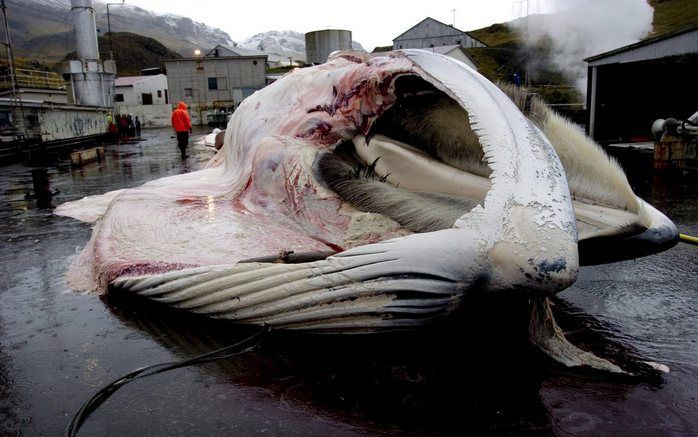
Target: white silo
{"x": 320, "y": 43}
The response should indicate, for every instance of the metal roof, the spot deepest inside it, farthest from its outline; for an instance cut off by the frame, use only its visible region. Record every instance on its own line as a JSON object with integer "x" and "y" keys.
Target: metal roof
{"x": 677, "y": 43}
{"x": 235, "y": 51}
{"x": 130, "y": 80}
{"x": 455, "y": 33}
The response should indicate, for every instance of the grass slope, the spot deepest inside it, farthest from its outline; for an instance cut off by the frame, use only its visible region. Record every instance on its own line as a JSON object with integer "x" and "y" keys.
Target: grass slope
{"x": 506, "y": 56}
{"x": 672, "y": 15}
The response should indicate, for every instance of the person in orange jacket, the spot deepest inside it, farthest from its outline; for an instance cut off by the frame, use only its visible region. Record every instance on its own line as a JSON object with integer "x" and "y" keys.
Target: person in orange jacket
{"x": 182, "y": 125}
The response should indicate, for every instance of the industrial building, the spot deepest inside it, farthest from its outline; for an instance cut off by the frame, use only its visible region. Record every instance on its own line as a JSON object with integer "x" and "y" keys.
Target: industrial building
{"x": 41, "y": 114}
{"x": 91, "y": 78}
{"x": 217, "y": 81}
{"x": 320, "y": 43}
{"x": 145, "y": 97}
{"x": 430, "y": 33}
{"x": 630, "y": 87}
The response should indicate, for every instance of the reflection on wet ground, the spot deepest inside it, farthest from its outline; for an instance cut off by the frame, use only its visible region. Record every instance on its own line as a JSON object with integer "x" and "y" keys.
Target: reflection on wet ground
{"x": 473, "y": 375}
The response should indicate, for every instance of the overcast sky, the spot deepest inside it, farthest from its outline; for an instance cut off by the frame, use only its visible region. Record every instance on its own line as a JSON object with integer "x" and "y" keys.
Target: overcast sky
{"x": 372, "y": 22}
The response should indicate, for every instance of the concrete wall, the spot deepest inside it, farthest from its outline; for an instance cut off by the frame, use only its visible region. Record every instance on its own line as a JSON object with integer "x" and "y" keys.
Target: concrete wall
{"x": 432, "y": 33}
{"x": 133, "y": 94}
{"x": 319, "y": 44}
{"x": 58, "y": 124}
{"x": 149, "y": 115}
{"x": 238, "y": 77}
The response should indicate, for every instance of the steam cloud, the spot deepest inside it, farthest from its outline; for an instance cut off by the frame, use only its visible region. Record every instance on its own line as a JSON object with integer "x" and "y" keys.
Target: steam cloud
{"x": 578, "y": 29}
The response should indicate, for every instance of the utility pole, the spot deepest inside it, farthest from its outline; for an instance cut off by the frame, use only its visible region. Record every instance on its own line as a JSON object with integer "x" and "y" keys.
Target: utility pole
{"x": 111, "y": 49}
{"x": 527, "y": 79}
{"x": 16, "y": 96}
{"x": 454, "y": 17}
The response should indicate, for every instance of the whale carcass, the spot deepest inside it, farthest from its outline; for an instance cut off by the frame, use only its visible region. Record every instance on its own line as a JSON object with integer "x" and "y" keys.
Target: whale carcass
{"x": 373, "y": 193}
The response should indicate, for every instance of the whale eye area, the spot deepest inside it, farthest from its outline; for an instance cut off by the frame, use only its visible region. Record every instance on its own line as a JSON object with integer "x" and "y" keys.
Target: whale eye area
{"x": 421, "y": 163}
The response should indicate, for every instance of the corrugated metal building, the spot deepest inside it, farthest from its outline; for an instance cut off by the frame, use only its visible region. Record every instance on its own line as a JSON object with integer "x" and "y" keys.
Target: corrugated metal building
{"x": 214, "y": 82}
{"x": 630, "y": 87}
{"x": 433, "y": 33}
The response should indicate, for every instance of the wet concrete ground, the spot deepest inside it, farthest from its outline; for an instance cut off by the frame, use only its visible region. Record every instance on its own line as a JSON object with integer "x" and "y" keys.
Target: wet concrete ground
{"x": 476, "y": 376}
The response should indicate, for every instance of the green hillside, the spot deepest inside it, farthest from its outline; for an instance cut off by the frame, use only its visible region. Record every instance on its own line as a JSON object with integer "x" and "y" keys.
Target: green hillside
{"x": 133, "y": 53}
{"x": 506, "y": 55}
{"x": 672, "y": 15}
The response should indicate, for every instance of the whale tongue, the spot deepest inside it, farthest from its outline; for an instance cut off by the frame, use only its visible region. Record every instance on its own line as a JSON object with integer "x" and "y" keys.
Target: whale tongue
{"x": 410, "y": 168}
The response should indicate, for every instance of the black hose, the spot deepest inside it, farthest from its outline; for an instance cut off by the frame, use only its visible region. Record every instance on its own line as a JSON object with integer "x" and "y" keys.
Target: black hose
{"x": 243, "y": 346}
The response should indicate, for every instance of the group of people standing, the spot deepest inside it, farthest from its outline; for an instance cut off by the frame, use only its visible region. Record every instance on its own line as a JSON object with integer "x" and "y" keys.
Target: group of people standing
{"x": 127, "y": 126}
{"x": 123, "y": 126}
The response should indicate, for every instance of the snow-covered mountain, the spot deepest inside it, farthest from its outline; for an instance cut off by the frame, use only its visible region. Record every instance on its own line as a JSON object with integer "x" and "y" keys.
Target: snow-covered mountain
{"x": 42, "y": 28}
{"x": 287, "y": 43}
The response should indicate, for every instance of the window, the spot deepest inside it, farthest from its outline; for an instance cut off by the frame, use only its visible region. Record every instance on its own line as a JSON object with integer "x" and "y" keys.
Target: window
{"x": 32, "y": 121}
{"x": 458, "y": 41}
{"x": 147, "y": 98}
{"x": 188, "y": 92}
{"x": 159, "y": 93}
{"x": 118, "y": 97}
{"x": 5, "y": 120}
{"x": 217, "y": 83}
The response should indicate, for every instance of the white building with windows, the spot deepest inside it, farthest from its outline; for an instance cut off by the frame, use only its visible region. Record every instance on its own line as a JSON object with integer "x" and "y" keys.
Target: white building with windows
{"x": 146, "y": 97}
{"x": 216, "y": 82}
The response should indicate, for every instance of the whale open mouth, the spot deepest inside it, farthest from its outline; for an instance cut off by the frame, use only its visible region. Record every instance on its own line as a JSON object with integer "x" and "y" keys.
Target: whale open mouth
{"x": 421, "y": 163}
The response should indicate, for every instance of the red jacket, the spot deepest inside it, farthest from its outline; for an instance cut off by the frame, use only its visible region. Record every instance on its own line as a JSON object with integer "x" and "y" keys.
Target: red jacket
{"x": 180, "y": 118}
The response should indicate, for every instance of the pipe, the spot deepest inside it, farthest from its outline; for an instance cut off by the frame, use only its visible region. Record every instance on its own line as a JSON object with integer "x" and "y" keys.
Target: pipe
{"x": 688, "y": 239}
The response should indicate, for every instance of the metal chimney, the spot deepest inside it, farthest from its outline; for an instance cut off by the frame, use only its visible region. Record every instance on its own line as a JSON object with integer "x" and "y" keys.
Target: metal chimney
{"x": 83, "y": 13}
{"x": 91, "y": 79}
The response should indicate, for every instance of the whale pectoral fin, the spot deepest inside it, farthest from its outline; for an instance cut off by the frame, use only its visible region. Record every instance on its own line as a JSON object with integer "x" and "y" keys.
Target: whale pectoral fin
{"x": 548, "y": 337}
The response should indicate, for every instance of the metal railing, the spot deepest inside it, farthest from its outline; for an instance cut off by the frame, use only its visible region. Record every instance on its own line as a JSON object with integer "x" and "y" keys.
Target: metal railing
{"x": 25, "y": 78}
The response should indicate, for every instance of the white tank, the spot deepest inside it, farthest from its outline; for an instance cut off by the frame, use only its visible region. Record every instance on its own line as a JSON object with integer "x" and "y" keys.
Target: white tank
{"x": 320, "y": 43}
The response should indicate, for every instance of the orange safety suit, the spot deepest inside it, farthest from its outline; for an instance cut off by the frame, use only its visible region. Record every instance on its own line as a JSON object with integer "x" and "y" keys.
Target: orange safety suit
{"x": 180, "y": 118}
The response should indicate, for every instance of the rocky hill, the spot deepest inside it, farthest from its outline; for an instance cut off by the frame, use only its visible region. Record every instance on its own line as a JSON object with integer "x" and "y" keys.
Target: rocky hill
{"x": 42, "y": 29}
